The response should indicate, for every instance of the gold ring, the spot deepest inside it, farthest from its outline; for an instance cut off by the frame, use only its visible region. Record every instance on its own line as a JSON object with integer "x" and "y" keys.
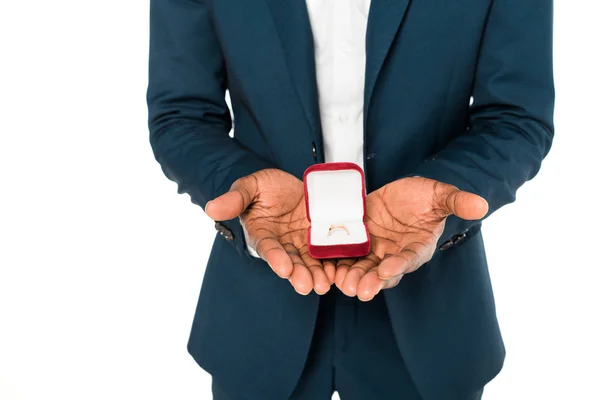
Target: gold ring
{"x": 332, "y": 227}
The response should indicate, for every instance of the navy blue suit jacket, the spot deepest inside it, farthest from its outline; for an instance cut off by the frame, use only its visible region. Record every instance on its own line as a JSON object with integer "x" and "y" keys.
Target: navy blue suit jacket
{"x": 425, "y": 60}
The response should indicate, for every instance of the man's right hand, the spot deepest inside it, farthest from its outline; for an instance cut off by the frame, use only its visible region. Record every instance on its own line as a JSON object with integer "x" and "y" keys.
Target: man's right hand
{"x": 270, "y": 205}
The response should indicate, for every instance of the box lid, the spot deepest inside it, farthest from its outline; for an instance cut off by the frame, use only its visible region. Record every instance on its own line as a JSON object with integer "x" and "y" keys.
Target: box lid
{"x": 335, "y": 192}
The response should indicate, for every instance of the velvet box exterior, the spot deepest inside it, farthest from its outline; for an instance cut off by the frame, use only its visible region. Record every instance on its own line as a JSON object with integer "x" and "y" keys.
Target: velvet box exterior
{"x": 335, "y": 196}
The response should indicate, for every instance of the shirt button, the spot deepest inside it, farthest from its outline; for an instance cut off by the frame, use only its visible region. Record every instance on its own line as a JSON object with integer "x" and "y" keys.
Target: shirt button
{"x": 343, "y": 118}
{"x": 347, "y": 48}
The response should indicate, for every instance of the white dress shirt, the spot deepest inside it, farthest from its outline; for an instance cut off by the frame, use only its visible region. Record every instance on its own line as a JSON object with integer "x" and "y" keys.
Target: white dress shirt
{"x": 339, "y": 30}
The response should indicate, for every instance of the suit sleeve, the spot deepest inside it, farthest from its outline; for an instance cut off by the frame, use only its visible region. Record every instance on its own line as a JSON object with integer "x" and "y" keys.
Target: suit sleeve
{"x": 189, "y": 120}
{"x": 511, "y": 121}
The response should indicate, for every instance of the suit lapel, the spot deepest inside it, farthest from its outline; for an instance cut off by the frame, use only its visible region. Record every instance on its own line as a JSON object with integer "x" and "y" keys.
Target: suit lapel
{"x": 292, "y": 22}
{"x": 385, "y": 18}
{"x": 293, "y": 25}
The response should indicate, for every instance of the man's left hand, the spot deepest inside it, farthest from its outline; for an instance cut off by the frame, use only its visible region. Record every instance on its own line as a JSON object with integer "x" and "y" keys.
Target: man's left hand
{"x": 405, "y": 220}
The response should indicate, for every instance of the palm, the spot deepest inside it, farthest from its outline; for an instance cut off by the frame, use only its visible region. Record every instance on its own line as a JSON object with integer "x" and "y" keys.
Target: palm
{"x": 405, "y": 220}
{"x": 398, "y": 218}
{"x": 270, "y": 204}
{"x": 279, "y": 210}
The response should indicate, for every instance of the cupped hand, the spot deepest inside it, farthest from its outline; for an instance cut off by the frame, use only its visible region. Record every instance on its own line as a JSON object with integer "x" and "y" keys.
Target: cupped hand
{"x": 270, "y": 205}
{"x": 405, "y": 220}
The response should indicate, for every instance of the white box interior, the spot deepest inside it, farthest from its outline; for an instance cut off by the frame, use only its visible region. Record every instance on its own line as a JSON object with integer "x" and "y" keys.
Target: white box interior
{"x": 336, "y": 198}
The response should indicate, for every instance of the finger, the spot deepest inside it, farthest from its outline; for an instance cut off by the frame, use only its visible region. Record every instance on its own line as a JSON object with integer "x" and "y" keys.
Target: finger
{"x": 341, "y": 269}
{"x": 465, "y": 205}
{"x": 329, "y": 267}
{"x": 354, "y": 275}
{"x": 392, "y": 282}
{"x": 321, "y": 282}
{"x": 270, "y": 249}
{"x": 408, "y": 260}
{"x": 233, "y": 203}
{"x": 381, "y": 246}
{"x": 301, "y": 278}
{"x": 371, "y": 284}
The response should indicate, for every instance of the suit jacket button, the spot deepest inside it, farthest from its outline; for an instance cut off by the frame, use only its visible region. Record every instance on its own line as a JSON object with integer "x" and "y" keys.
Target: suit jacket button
{"x": 224, "y": 231}
{"x": 314, "y": 150}
{"x": 446, "y": 245}
{"x": 459, "y": 238}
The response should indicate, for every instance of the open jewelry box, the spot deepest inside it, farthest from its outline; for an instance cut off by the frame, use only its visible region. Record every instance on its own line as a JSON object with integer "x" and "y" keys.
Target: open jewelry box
{"x": 335, "y": 198}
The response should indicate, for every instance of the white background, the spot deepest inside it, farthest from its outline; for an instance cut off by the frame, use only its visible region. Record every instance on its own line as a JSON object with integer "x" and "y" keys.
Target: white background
{"x": 101, "y": 261}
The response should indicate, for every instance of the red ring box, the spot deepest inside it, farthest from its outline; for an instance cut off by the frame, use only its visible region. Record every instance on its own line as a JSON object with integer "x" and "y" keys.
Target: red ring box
{"x": 335, "y": 194}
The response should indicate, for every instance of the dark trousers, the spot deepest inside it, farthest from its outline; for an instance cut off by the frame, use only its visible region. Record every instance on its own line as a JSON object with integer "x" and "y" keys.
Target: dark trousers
{"x": 354, "y": 353}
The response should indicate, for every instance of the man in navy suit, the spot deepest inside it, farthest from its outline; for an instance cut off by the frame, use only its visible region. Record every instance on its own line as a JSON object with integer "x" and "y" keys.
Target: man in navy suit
{"x": 448, "y": 107}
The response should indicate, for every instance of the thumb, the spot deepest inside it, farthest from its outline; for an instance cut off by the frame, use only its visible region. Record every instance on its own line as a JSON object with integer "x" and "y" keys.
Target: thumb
{"x": 230, "y": 205}
{"x": 464, "y": 205}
